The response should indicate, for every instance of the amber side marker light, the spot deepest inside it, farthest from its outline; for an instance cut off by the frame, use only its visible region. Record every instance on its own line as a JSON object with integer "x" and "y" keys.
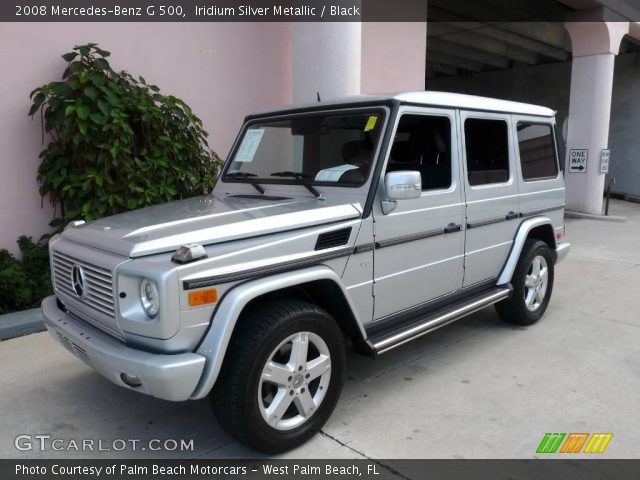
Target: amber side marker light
{"x": 203, "y": 297}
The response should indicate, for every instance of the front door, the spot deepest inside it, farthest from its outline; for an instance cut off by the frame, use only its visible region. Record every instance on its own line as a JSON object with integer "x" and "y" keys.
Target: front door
{"x": 492, "y": 204}
{"x": 420, "y": 245}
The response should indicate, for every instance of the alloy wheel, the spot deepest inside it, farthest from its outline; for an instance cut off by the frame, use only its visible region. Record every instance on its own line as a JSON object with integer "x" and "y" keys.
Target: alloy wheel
{"x": 536, "y": 282}
{"x": 294, "y": 381}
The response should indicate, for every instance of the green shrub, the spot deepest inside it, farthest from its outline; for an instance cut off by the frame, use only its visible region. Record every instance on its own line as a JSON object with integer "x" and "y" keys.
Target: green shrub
{"x": 24, "y": 283}
{"x": 116, "y": 143}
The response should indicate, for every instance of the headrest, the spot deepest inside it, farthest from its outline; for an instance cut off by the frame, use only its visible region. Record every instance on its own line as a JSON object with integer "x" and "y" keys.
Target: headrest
{"x": 438, "y": 140}
{"x": 350, "y": 150}
{"x": 401, "y": 152}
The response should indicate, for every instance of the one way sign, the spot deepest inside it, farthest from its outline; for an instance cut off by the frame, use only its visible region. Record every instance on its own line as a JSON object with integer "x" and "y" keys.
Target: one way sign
{"x": 578, "y": 161}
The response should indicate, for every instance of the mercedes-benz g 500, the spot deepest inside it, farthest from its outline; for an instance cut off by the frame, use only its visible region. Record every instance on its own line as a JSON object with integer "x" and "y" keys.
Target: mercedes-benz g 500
{"x": 368, "y": 222}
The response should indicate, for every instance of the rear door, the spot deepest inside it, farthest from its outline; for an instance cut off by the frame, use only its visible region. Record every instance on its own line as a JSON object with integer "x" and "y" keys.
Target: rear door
{"x": 541, "y": 186}
{"x": 491, "y": 188}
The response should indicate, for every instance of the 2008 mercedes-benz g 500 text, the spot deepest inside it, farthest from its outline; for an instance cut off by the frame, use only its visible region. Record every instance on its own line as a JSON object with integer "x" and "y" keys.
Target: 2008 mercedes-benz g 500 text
{"x": 369, "y": 221}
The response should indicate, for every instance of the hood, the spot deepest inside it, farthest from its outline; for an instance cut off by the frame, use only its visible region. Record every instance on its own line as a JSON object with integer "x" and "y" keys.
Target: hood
{"x": 205, "y": 220}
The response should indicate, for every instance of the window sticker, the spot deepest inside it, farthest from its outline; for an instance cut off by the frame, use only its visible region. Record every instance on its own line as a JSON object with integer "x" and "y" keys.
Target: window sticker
{"x": 371, "y": 123}
{"x": 333, "y": 174}
{"x": 249, "y": 145}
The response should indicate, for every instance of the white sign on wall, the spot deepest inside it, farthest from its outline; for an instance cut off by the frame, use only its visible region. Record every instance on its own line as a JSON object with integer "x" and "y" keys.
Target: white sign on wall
{"x": 578, "y": 160}
{"x": 604, "y": 161}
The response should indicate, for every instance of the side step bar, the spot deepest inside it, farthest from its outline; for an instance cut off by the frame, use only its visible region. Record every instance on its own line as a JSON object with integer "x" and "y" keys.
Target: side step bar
{"x": 437, "y": 319}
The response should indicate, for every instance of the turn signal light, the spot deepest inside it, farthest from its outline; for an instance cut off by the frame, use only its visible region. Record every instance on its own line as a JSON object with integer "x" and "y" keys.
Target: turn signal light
{"x": 203, "y": 297}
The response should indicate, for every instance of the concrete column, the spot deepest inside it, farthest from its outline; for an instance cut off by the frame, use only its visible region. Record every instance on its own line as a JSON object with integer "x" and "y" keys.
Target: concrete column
{"x": 341, "y": 59}
{"x": 595, "y": 46}
{"x": 326, "y": 59}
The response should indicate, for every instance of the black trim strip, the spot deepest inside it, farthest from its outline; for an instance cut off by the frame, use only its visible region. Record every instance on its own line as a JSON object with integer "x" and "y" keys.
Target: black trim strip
{"x": 483, "y": 223}
{"x": 508, "y": 217}
{"x": 264, "y": 271}
{"x": 409, "y": 238}
{"x": 541, "y": 210}
{"x": 452, "y": 228}
{"x": 320, "y": 107}
{"x": 367, "y": 247}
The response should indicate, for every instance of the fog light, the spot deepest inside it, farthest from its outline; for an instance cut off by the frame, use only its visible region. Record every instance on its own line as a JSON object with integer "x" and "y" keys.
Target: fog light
{"x": 131, "y": 380}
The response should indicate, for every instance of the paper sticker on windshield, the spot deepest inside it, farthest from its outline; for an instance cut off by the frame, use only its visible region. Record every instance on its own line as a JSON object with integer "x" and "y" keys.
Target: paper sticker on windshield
{"x": 249, "y": 145}
{"x": 333, "y": 174}
{"x": 371, "y": 123}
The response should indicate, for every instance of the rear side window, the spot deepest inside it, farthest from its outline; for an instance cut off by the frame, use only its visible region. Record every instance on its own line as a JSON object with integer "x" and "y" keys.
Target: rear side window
{"x": 487, "y": 146}
{"x": 537, "y": 152}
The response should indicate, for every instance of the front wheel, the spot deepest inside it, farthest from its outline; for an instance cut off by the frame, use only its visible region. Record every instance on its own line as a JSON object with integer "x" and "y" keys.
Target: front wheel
{"x": 532, "y": 285}
{"x": 282, "y": 376}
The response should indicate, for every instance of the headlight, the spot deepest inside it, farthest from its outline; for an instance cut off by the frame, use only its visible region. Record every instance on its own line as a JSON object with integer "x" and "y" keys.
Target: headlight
{"x": 149, "y": 297}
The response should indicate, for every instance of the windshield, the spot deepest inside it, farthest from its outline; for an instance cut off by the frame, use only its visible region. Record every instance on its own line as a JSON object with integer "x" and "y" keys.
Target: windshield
{"x": 318, "y": 149}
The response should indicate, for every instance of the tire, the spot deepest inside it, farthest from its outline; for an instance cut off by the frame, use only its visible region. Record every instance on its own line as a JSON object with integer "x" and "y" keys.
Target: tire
{"x": 269, "y": 410}
{"x": 531, "y": 291}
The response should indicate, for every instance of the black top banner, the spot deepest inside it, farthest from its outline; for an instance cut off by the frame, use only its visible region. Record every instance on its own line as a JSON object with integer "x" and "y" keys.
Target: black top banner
{"x": 298, "y": 11}
{"x": 214, "y": 10}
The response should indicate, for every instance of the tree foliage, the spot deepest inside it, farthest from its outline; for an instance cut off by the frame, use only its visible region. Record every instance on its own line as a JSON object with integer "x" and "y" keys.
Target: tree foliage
{"x": 116, "y": 143}
{"x": 25, "y": 282}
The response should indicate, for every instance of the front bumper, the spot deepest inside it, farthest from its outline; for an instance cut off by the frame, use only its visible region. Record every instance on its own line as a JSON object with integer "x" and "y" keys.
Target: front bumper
{"x": 562, "y": 250}
{"x": 170, "y": 377}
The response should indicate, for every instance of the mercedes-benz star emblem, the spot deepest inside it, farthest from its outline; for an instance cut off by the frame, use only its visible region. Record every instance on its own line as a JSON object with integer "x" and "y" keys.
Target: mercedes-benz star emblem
{"x": 78, "y": 280}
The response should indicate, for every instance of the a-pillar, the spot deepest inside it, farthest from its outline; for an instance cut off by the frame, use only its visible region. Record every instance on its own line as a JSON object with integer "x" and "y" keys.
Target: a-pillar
{"x": 595, "y": 46}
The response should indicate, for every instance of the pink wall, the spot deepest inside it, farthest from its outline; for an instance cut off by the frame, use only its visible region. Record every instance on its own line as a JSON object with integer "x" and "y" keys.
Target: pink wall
{"x": 223, "y": 71}
{"x": 393, "y": 56}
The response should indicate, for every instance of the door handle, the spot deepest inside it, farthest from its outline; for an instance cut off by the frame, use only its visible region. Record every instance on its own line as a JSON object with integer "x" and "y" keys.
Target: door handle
{"x": 512, "y": 215}
{"x": 452, "y": 227}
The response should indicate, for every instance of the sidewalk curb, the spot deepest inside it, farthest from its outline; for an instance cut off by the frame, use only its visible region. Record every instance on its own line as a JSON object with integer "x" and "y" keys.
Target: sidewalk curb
{"x": 17, "y": 324}
{"x": 591, "y": 216}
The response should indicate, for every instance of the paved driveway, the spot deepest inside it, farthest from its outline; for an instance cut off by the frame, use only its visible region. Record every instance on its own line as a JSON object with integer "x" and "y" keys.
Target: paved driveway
{"x": 476, "y": 389}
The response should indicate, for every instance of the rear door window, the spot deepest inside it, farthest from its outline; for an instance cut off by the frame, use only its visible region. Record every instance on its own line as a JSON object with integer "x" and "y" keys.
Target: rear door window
{"x": 487, "y": 146}
{"x": 537, "y": 151}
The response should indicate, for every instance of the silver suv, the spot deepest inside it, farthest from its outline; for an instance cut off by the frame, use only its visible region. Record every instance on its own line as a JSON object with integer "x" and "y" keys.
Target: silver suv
{"x": 366, "y": 222}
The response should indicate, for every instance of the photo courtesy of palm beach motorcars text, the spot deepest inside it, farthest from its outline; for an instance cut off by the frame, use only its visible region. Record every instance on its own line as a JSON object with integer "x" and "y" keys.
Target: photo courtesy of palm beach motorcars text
{"x": 195, "y": 470}
{"x": 319, "y": 239}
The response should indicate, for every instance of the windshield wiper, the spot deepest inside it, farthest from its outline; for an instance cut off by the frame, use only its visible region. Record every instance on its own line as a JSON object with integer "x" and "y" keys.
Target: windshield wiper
{"x": 301, "y": 177}
{"x": 247, "y": 176}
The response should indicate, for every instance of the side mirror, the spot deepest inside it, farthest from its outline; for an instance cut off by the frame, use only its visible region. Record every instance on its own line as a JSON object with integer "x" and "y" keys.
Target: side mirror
{"x": 401, "y": 185}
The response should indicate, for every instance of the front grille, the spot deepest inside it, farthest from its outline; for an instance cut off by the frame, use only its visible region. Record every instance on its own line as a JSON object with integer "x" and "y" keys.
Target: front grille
{"x": 98, "y": 283}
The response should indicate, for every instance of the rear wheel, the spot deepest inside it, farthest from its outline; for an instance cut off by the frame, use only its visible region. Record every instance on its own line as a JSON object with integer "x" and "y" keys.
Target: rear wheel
{"x": 282, "y": 376}
{"x": 532, "y": 285}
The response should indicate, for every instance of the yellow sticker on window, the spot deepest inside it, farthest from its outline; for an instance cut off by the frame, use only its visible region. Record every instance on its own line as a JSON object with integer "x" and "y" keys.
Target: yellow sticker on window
{"x": 371, "y": 123}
